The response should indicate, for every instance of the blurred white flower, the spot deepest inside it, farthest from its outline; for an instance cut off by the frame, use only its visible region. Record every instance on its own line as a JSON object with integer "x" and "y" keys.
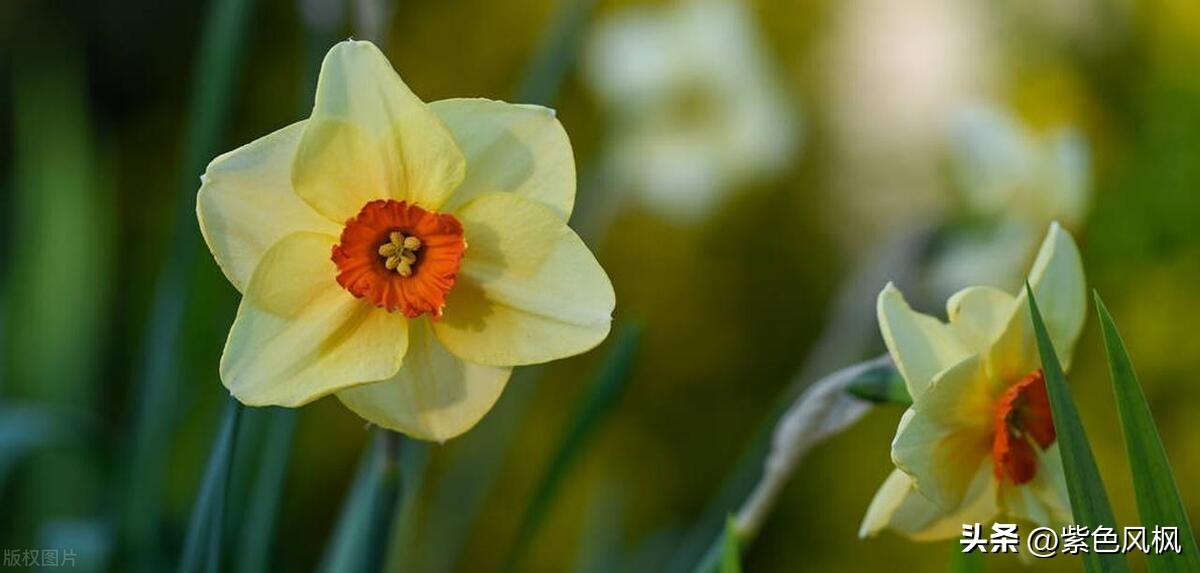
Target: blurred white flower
{"x": 1005, "y": 170}
{"x": 694, "y": 106}
{"x": 892, "y": 74}
{"x": 1013, "y": 182}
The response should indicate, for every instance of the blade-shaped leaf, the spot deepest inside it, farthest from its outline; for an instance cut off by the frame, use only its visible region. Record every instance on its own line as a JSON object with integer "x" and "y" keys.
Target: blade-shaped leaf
{"x": 360, "y": 539}
{"x": 966, "y": 562}
{"x": 202, "y": 545}
{"x": 730, "y": 557}
{"x": 1089, "y": 502}
{"x": 258, "y": 527}
{"x": 157, "y": 392}
{"x": 1154, "y": 485}
{"x": 608, "y": 387}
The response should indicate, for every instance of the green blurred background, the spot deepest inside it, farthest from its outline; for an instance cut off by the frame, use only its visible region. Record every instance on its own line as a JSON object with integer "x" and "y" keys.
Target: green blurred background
{"x": 823, "y": 136}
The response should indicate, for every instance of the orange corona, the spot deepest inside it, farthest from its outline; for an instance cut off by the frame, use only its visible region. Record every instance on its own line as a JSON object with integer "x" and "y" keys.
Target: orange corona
{"x": 400, "y": 257}
{"x": 1022, "y": 415}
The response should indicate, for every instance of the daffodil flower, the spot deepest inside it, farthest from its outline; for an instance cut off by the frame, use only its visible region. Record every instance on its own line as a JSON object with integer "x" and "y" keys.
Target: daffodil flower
{"x": 1013, "y": 182}
{"x": 695, "y": 108}
{"x": 403, "y": 256}
{"x": 979, "y": 441}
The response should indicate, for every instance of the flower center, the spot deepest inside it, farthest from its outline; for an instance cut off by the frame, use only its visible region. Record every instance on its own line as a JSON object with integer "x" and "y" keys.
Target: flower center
{"x": 1022, "y": 416}
{"x": 400, "y": 257}
{"x": 400, "y": 253}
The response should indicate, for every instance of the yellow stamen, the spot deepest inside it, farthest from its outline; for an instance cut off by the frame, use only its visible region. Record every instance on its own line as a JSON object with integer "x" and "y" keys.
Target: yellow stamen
{"x": 400, "y": 253}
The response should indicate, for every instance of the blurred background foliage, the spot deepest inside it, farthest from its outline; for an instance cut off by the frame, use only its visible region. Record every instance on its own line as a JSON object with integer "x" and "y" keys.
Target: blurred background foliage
{"x": 112, "y": 319}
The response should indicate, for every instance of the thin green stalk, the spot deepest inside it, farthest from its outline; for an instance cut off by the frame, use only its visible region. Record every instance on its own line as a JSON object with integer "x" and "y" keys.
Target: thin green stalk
{"x": 213, "y": 83}
{"x": 202, "y": 544}
{"x": 414, "y": 458}
{"x": 973, "y": 562}
{"x": 557, "y": 53}
{"x": 478, "y": 456}
{"x": 824, "y": 409}
{"x": 56, "y": 313}
{"x": 731, "y": 555}
{"x": 259, "y": 525}
{"x": 474, "y": 462}
{"x": 601, "y": 397}
{"x": 361, "y": 537}
{"x": 848, "y": 331}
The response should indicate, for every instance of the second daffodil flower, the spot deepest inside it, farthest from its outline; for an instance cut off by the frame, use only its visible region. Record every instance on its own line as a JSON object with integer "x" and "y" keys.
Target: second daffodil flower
{"x": 978, "y": 442}
{"x": 403, "y": 256}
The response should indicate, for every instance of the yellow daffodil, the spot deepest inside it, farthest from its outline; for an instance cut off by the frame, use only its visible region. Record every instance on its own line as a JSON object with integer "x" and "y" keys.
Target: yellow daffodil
{"x": 978, "y": 441}
{"x": 403, "y": 256}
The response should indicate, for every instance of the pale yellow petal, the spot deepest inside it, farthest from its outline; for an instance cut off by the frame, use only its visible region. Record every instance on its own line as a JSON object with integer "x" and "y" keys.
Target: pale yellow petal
{"x": 940, "y": 458}
{"x": 1058, "y": 283}
{"x": 899, "y": 506}
{"x": 961, "y": 397}
{"x": 529, "y": 291}
{"x": 921, "y": 346}
{"x": 435, "y": 395}
{"x": 979, "y": 314}
{"x": 370, "y": 137}
{"x": 246, "y": 203}
{"x": 520, "y": 149}
{"x": 1044, "y": 499}
{"x": 339, "y": 168}
{"x": 299, "y": 336}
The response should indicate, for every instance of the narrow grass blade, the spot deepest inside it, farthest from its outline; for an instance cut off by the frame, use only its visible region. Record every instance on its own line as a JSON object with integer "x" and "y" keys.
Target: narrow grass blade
{"x": 202, "y": 545}
{"x": 474, "y": 462}
{"x": 259, "y": 527}
{"x": 414, "y": 458}
{"x": 1089, "y": 502}
{"x": 973, "y": 562}
{"x": 1158, "y": 500}
{"x": 560, "y": 47}
{"x": 57, "y": 315}
{"x": 360, "y": 538}
{"x": 213, "y": 81}
{"x": 608, "y": 387}
{"x": 24, "y": 430}
{"x": 730, "y": 555}
{"x": 477, "y": 457}
{"x": 601, "y": 546}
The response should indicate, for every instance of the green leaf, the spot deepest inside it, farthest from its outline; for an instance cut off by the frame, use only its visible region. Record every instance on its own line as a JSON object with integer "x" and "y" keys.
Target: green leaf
{"x": 213, "y": 83}
{"x": 25, "y": 429}
{"x": 556, "y": 54}
{"x": 1089, "y": 502}
{"x": 603, "y": 394}
{"x": 202, "y": 545}
{"x": 361, "y": 537}
{"x": 730, "y": 557}
{"x": 401, "y": 555}
{"x": 259, "y": 526}
{"x": 1154, "y": 485}
{"x": 473, "y": 463}
{"x": 881, "y": 383}
{"x": 973, "y": 562}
